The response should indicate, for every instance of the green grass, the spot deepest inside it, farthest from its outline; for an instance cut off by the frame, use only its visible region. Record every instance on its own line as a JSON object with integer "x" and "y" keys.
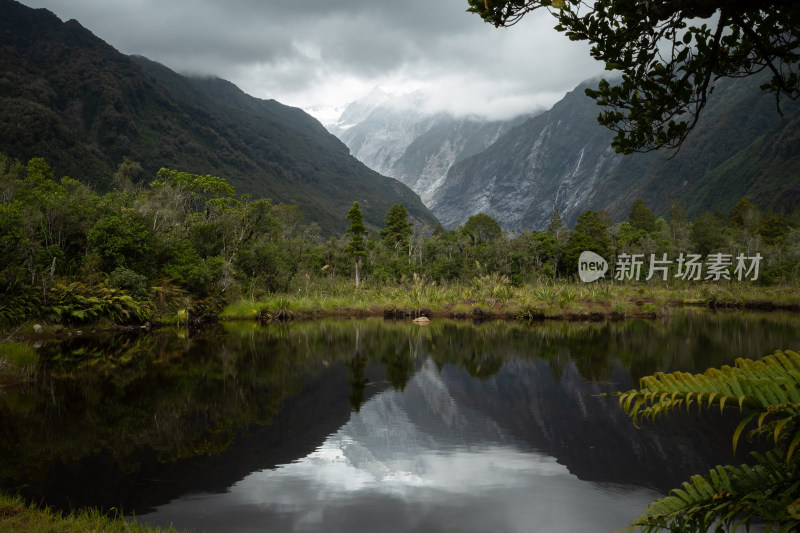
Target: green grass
{"x": 17, "y": 516}
{"x": 496, "y": 296}
{"x": 240, "y": 309}
{"x": 19, "y": 354}
{"x": 17, "y": 362}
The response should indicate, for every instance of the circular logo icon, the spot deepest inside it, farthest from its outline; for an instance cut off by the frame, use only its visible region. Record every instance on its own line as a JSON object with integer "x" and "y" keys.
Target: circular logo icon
{"x": 591, "y": 267}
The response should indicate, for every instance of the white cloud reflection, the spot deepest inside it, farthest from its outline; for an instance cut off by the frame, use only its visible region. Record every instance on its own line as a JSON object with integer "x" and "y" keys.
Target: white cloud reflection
{"x": 384, "y": 472}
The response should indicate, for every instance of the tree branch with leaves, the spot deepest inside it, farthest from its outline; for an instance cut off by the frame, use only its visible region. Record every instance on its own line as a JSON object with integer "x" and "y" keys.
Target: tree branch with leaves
{"x": 669, "y": 55}
{"x": 397, "y": 234}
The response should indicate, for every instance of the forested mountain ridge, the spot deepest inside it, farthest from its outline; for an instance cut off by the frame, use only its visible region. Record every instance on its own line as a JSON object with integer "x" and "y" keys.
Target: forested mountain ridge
{"x": 562, "y": 158}
{"x": 69, "y": 97}
{"x": 742, "y": 146}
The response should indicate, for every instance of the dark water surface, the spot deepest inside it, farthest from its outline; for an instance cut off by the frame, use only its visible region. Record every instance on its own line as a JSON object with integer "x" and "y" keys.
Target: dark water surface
{"x": 366, "y": 425}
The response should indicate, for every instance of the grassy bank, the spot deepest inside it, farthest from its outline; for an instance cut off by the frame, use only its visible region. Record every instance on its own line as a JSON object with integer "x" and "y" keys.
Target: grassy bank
{"x": 17, "y": 516}
{"x": 17, "y": 363}
{"x": 486, "y": 297}
{"x": 495, "y": 297}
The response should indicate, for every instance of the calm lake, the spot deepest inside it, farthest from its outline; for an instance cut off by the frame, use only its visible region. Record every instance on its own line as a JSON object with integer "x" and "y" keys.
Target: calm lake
{"x": 371, "y": 425}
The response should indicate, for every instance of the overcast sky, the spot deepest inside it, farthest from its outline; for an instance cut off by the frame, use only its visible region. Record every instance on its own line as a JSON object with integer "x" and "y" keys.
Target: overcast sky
{"x": 323, "y": 54}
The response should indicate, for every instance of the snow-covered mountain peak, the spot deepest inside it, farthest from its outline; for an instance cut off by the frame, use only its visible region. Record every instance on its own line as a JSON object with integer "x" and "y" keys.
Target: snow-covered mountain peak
{"x": 358, "y": 111}
{"x": 398, "y": 135}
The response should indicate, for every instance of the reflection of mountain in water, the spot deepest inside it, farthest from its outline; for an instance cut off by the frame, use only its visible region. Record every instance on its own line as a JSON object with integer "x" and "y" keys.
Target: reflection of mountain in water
{"x": 590, "y": 434}
{"x": 524, "y": 407}
{"x": 303, "y": 421}
{"x": 521, "y": 408}
{"x": 416, "y": 460}
{"x": 423, "y": 418}
{"x": 492, "y": 407}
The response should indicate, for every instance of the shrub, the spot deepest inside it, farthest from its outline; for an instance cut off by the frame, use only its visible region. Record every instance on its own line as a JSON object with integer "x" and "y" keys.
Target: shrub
{"x": 77, "y": 303}
{"x": 129, "y": 281}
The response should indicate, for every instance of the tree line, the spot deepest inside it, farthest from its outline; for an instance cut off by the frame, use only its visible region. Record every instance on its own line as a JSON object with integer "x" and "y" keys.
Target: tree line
{"x": 71, "y": 254}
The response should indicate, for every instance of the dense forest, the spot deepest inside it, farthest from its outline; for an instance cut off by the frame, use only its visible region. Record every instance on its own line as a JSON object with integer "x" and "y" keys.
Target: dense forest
{"x": 187, "y": 244}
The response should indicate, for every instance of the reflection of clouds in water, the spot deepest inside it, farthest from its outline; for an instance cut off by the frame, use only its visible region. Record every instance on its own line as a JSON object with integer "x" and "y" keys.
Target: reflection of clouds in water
{"x": 493, "y": 488}
{"x": 414, "y": 461}
{"x": 327, "y": 475}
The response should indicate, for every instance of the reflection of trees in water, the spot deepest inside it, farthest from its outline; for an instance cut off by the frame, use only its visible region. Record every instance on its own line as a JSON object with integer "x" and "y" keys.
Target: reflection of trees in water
{"x": 182, "y": 397}
{"x": 399, "y": 367}
{"x": 188, "y": 397}
{"x": 358, "y": 382}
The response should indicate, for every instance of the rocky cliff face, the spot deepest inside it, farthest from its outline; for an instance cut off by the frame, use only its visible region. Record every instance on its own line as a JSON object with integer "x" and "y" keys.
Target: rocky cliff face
{"x": 562, "y": 158}
{"x": 553, "y": 159}
{"x": 396, "y": 136}
{"x": 518, "y": 171}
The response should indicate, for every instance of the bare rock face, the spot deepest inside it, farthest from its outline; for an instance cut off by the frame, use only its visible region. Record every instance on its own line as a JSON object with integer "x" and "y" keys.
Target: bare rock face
{"x": 38, "y": 329}
{"x": 518, "y": 171}
{"x": 554, "y": 159}
{"x": 397, "y": 137}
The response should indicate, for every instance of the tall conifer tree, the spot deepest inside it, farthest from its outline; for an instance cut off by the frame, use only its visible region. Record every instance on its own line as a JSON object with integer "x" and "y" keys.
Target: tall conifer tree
{"x": 398, "y": 228}
{"x": 356, "y": 247}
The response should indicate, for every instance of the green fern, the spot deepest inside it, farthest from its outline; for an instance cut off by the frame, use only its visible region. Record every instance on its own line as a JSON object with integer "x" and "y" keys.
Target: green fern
{"x": 731, "y": 497}
{"x": 15, "y": 308}
{"x": 769, "y": 387}
{"x": 78, "y": 303}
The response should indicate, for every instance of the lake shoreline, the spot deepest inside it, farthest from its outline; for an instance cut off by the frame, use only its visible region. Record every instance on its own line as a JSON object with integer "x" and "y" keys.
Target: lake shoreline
{"x": 538, "y": 301}
{"x": 592, "y": 312}
{"x": 18, "y": 515}
{"x": 553, "y": 302}
{"x": 585, "y": 311}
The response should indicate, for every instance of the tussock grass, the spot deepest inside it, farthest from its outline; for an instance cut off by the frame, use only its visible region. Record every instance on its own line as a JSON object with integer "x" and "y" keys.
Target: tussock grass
{"x": 494, "y": 295}
{"x": 17, "y": 362}
{"x": 19, "y": 354}
{"x": 18, "y": 516}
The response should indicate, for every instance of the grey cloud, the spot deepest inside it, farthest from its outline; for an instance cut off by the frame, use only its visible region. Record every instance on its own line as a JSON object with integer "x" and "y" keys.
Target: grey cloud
{"x": 292, "y": 50}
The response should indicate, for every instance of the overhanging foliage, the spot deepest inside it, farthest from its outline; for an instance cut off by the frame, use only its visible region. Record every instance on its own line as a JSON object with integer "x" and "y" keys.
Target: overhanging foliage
{"x": 732, "y": 496}
{"x": 669, "y": 54}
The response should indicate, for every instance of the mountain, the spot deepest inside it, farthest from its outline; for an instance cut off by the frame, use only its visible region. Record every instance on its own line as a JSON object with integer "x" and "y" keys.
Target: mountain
{"x": 360, "y": 110}
{"x": 562, "y": 158}
{"x": 556, "y": 158}
{"x": 69, "y": 97}
{"x": 397, "y": 136}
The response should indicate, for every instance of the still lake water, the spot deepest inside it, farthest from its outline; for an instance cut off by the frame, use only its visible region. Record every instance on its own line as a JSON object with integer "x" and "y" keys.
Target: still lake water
{"x": 369, "y": 425}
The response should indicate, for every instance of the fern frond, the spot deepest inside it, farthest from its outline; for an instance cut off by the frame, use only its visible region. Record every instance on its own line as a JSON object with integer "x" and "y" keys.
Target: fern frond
{"x": 770, "y": 386}
{"x": 728, "y": 497}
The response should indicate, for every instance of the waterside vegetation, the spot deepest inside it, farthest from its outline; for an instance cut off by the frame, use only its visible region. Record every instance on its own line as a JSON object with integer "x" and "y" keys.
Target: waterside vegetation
{"x": 728, "y": 498}
{"x": 18, "y": 516}
{"x": 493, "y": 296}
{"x": 183, "y": 248}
